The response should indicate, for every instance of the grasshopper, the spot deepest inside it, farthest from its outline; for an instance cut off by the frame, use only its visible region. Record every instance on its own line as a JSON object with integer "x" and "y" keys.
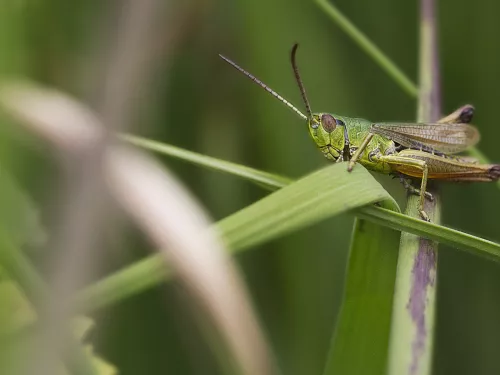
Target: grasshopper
{"x": 409, "y": 150}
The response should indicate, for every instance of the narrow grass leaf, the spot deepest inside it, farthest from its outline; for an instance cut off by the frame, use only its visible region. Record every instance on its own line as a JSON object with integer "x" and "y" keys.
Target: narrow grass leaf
{"x": 371, "y": 49}
{"x": 20, "y": 227}
{"x": 361, "y": 337}
{"x": 325, "y": 193}
{"x": 463, "y": 241}
{"x": 392, "y": 219}
{"x": 251, "y": 174}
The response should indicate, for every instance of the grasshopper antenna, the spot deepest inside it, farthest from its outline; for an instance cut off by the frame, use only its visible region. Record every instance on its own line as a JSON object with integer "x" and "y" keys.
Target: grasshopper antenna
{"x": 264, "y": 86}
{"x": 299, "y": 80}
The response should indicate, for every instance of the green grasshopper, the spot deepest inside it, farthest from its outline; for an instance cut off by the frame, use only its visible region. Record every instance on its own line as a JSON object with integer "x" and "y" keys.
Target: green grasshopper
{"x": 410, "y": 150}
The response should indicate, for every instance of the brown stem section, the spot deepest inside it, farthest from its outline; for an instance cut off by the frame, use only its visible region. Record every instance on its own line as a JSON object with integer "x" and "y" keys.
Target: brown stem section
{"x": 425, "y": 261}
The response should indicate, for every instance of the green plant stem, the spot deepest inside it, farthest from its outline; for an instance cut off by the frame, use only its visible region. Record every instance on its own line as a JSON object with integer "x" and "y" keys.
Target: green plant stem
{"x": 412, "y": 330}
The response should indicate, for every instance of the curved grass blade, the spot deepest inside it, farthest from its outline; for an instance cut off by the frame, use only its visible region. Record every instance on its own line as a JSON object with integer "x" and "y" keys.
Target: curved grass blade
{"x": 150, "y": 272}
{"x": 325, "y": 193}
{"x": 457, "y": 239}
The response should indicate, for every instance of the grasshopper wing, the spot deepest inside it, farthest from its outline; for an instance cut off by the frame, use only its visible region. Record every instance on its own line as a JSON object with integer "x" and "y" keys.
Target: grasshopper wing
{"x": 444, "y": 138}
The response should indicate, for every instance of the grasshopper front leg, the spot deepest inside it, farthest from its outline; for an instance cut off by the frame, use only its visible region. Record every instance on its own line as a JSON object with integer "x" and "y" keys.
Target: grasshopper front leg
{"x": 359, "y": 151}
{"x": 398, "y": 161}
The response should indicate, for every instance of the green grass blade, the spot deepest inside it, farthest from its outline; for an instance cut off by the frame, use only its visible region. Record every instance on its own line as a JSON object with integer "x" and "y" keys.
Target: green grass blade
{"x": 369, "y": 47}
{"x": 325, "y": 193}
{"x": 150, "y": 272}
{"x": 322, "y": 194}
{"x": 254, "y": 175}
{"x": 457, "y": 239}
{"x": 361, "y": 338}
{"x": 463, "y": 241}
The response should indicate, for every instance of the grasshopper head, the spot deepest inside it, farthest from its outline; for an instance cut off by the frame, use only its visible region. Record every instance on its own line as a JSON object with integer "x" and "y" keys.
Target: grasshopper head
{"x": 327, "y": 131}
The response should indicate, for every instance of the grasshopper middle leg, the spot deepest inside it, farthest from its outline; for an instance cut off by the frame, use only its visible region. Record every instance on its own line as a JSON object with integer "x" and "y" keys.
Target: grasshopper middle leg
{"x": 402, "y": 161}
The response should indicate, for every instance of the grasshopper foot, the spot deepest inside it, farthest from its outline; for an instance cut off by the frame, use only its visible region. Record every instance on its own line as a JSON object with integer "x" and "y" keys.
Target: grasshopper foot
{"x": 412, "y": 189}
{"x": 428, "y": 195}
{"x": 424, "y": 216}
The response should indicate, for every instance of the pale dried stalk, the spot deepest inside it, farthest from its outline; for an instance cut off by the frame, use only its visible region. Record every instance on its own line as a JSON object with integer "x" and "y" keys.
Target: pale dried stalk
{"x": 163, "y": 209}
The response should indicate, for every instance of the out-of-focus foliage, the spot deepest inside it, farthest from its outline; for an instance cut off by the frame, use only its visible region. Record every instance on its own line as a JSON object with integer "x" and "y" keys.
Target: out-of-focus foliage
{"x": 17, "y": 314}
{"x": 200, "y": 103}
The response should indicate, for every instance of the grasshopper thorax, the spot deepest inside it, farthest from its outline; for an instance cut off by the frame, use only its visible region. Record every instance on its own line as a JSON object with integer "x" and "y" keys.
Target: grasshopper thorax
{"x": 327, "y": 131}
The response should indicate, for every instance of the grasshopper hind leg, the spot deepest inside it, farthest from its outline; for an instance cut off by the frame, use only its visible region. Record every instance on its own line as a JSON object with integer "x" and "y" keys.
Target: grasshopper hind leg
{"x": 400, "y": 163}
{"x": 463, "y": 115}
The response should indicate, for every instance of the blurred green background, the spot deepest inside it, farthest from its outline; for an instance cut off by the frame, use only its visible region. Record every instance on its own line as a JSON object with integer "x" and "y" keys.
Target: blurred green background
{"x": 199, "y": 103}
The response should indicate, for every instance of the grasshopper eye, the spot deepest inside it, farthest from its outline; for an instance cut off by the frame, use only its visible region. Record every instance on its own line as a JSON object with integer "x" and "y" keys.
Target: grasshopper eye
{"x": 328, "y": 123}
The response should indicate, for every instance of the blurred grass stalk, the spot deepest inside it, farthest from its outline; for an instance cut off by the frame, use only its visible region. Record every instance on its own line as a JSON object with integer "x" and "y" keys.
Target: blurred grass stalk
{"x": 412, "y": 331}
{"x": 371, "y": 49}
{"x": 165, "y": 211}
